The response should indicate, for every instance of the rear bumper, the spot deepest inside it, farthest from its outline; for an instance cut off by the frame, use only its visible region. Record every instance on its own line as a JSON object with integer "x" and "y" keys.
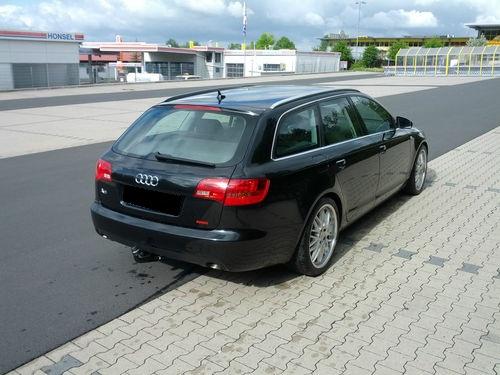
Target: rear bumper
{"x": 231, "y": 250}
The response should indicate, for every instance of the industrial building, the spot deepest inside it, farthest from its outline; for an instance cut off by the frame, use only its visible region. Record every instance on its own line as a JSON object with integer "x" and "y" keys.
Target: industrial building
{"x": 147, "y": 61}
{"x": 251, "y": 63}
{"x": 491, "y": 31}
{"x": 30, "y": 59}
{"x": 358, "y": 44}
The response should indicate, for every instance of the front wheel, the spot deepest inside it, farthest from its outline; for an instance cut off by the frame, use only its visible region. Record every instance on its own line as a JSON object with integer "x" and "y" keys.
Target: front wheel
{"x": 314, "y": 254}
{"x": 415, "y": 183}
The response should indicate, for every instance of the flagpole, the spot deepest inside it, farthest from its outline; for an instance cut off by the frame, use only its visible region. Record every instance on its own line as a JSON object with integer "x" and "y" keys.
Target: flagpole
{"x": 244, "y": 38}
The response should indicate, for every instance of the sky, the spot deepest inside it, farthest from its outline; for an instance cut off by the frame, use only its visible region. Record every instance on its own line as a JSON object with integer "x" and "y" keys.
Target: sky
{"x": 304, "y": 21}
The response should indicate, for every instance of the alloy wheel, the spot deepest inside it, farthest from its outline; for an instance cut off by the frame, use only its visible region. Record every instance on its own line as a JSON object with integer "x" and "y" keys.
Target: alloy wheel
{"x": 420, "y": 168}
{"x": 323, "y": 235}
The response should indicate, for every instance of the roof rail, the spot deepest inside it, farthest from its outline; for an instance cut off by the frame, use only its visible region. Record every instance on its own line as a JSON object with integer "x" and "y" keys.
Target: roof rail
{"x": 200, "y": 92}
{"x": 293, "y": 98}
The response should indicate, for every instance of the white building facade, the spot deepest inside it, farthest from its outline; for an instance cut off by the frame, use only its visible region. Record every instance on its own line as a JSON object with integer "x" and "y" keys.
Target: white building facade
{"x": 252, "y": 63}
{"x": 31, "y": 59}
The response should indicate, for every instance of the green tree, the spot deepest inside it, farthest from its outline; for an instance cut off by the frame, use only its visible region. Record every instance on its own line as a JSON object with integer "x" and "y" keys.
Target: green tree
{"x": 234, "y": 46}
{"x": 394, "y": 49}
{"x": 345, "y": 51}
{"x": 172, "y": 43}
{"x": 433, "y": 43}
{"x": 323, "y": 46}
{"x": 477, "y": 42}
{"x": 371, "y": 57}
{"x": 265, "y": 41}
{"x": 284, "y": 43}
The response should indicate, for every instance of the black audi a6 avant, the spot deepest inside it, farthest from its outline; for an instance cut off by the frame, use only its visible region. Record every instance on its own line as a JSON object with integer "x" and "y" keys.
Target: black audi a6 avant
{"x": 254, "y": 176}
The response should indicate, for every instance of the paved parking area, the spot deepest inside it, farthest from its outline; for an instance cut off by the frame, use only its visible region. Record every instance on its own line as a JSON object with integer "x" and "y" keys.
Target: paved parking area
{"x": 415, "y": 289}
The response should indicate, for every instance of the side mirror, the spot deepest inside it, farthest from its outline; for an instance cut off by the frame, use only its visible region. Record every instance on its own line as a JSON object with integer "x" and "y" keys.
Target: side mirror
{"x": 403, "y": 122}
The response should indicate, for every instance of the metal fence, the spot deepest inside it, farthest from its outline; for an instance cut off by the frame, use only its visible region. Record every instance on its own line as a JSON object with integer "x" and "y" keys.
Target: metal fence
{"x": 43, "y": 75}
{"x": 102, "y": 73}
{"x": 446, "y": 61}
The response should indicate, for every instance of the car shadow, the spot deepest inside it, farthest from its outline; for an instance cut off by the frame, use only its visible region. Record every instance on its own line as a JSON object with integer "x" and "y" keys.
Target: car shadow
{"x": 281, "y": 274}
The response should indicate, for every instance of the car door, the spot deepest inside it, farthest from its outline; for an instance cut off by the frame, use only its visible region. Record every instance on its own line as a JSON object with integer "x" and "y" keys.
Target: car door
{"x": 299, "y": 171}
{"x": 353, "y": 159}
{"x": 394, "y": 145}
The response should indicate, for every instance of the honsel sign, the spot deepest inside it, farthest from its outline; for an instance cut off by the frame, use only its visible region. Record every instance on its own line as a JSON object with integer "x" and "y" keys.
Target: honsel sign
{"x": 60, "y": 36}
{"x": 42, "y": 35}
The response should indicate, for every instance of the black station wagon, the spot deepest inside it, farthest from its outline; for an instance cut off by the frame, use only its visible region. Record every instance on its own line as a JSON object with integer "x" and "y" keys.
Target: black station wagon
{"x": 254, "y": 176}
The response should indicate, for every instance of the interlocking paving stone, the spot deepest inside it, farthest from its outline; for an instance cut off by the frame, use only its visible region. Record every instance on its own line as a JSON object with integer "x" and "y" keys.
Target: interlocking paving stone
{"x": 67, "y": 362}
{"x": 492, "y": 337}
{"x": 367, "y": 313}
{"x": 470, "y": 268}
{"x": 377, "y": 247}
{"x": 402, "y": 253}
{"x": 436, "y": 261}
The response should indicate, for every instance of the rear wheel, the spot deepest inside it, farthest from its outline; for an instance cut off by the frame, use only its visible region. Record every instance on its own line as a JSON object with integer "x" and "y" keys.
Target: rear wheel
{"x": 314, "y": 254}
{"x": 415, "y": 183}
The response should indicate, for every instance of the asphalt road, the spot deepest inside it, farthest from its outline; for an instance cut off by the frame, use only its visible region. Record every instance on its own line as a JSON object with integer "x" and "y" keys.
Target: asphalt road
{"x": 11, "y": 104}
{"x": 59, "y": 279}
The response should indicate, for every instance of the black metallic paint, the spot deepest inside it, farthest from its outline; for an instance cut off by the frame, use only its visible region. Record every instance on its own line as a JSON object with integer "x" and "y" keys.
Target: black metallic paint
{"x": 250, "y": 237}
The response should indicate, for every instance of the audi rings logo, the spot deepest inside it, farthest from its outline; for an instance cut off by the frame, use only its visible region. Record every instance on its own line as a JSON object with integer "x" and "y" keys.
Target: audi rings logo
{"x": 147, "y": 179}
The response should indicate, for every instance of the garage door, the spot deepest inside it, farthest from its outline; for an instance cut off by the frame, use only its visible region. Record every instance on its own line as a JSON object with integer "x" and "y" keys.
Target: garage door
{"x": 234, "y": 70}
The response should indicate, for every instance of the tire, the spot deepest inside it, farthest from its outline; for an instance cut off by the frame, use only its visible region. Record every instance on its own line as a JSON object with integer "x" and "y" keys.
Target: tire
{"x": 303, "y": 261}
{"x": 416, "y": 182}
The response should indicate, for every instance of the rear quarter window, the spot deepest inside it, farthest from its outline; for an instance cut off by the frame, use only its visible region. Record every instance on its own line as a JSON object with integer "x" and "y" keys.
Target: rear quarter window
{"x": 297, "y": 132}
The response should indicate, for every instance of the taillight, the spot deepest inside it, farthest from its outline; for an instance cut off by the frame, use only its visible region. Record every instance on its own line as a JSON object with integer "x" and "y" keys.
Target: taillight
{"x": 213, "y": 189}
{"x": 103, "y": 171}
{"x": 233, "y": 192}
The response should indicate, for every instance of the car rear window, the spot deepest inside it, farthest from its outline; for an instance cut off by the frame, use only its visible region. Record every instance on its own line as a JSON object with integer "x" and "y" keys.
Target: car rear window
{"x": 210, "y": 136}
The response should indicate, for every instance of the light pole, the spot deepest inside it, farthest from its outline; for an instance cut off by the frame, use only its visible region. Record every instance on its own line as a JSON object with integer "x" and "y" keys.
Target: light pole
{"x": 359, "y": 4}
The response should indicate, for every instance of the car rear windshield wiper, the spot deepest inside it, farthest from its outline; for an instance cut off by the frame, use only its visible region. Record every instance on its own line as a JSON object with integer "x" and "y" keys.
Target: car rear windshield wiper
{"x": 169, "y": 158}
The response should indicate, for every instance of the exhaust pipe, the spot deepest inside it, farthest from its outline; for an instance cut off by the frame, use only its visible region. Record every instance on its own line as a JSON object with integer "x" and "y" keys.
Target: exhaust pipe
{"x": 141, "y": 256}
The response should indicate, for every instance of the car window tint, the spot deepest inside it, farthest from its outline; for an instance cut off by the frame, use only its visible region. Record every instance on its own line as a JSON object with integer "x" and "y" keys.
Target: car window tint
{"x": 298, "y": 131}
{"x": 374, "y": 116}
{"x": 337, "y": 125}
{"x": 188, "y": 134}
{"x": 171, "y": 122}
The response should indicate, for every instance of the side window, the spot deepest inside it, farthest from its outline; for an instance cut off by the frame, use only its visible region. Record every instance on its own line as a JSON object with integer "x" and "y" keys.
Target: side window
{"x": 337, "y": 125}
{"x": 376, "y": 118}
{"x": 297, "y": 132}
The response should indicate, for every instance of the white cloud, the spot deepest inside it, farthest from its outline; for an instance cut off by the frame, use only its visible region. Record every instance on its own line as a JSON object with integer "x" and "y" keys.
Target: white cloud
{"x": 220, "y": 20}
{"x": 401, "y": 18}
{"x": 426, "y": 2}
{"x": 314, "y": 19}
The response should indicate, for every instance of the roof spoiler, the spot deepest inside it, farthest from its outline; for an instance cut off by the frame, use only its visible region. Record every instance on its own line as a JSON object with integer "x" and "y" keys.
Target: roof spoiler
{"x": 200, "y": 92}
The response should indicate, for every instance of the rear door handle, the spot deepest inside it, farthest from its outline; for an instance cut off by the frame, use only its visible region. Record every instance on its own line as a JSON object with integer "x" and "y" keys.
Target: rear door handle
{"x": 382, "y": 149}
{"x": 340, "y": 164}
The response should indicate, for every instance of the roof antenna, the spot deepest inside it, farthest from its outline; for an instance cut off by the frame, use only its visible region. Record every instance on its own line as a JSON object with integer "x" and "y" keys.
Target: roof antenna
{"x": 220, "y": 96}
